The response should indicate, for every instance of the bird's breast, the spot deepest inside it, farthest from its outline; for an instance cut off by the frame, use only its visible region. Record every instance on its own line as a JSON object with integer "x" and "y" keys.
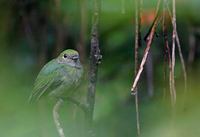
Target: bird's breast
{"x": 72, "y": 75}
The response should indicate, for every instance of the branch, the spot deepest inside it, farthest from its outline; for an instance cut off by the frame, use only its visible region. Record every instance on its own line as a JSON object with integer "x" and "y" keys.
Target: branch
{"x": 56, "y": 118}
{"x": 167, "y": 49}
{"x": 157, "y": 13}
{"x": 95, "y": 58}
{"x": 149, "y": 42}
{"x": 173, "y": 51}
{"x": 179, "y": 50}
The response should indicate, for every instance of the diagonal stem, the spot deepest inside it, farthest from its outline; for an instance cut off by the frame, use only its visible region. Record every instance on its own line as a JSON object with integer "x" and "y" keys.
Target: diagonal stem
{"x": 149, "y": 42}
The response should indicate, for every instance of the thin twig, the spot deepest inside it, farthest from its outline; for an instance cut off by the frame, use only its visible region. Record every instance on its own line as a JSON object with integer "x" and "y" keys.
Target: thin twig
{"x": 179, "y": 50}
{"x": 157, "y": 13}
{"x": 158, "y": 6}
{"x": 173, "y": 51}
{"x": 149, "y": 42}
{"x": 148, "y": 38}
{"x": 137, "y": 114}
{"x": 137, "y": 45}
{"x": 182, "y": 60}
{"x": 167, "y": 49}
{"x": 56, "y": 118}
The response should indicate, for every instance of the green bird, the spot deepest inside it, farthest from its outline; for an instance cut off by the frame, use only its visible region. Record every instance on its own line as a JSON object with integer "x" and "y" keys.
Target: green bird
{"x": 59, "y": 77}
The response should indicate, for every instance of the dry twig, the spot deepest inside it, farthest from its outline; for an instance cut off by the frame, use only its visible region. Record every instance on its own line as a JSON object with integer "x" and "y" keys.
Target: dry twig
{"x": 173, "y": 88}
{"x": 149, "y": 40}
{"x": 179, "y": 49}
{"x": 167, "y": 49}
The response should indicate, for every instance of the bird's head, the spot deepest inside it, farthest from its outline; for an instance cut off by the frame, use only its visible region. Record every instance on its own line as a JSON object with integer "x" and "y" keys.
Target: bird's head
{"x": 70, "y": 57}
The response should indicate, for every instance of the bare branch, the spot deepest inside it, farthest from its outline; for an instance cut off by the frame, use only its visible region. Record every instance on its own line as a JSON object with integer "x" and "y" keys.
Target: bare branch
{"x": 182, "y": 60}
{"x": 95, "y": 58}
{"x": 173, "y": 51}
{"x": 179, "y": 49}
{"x": 157, "y": 13}
{"x": 149, "y": 42}
{"x": 167, "y": 49}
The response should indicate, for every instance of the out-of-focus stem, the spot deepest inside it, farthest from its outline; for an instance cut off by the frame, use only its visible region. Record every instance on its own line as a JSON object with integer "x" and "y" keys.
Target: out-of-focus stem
{"x": 95, "y": 58}
{"x": 56, "y": 118}
{"x": 137, "y": 45}
{"x": 173, "y": 51}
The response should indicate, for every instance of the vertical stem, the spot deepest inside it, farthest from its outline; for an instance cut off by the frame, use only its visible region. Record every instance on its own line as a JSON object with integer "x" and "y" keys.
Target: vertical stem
{"x": 94, "y": 61}
{"x": 137, "y": 114}
{"x": 137, "y": 45}
{"x": 173, "y": 50}
{"x": 179, "y": 50}
{"x": 56, "y": 118}
{"x": 173, "y": 58}
{"x": 167, "y": 49}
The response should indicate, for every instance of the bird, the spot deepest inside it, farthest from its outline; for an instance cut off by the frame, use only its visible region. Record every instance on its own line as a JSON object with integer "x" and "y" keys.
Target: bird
{"x": 59, "y": 77}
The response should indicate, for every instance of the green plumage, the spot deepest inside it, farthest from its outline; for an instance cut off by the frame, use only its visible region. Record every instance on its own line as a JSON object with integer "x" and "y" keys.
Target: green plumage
{"x": 59, "y": 77}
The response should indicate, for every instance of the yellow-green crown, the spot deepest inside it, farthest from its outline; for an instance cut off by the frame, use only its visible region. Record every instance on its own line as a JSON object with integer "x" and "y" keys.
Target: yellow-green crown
{"x": 69, "y": 52}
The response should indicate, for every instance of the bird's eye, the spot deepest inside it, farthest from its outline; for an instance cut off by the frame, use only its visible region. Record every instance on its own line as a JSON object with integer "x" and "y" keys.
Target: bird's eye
{"x": 65, "y": 56}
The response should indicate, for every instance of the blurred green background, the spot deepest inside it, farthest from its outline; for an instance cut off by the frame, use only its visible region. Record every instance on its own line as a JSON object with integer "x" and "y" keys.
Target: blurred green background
{"x": 32, "y": 32}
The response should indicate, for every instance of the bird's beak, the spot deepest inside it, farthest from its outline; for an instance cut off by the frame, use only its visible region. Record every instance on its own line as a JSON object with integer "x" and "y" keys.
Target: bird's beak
{"x": 75, "y": 58}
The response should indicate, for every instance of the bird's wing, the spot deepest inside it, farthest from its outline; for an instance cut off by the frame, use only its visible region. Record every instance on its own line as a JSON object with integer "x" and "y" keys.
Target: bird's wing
{"x": 48, "y": 79}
